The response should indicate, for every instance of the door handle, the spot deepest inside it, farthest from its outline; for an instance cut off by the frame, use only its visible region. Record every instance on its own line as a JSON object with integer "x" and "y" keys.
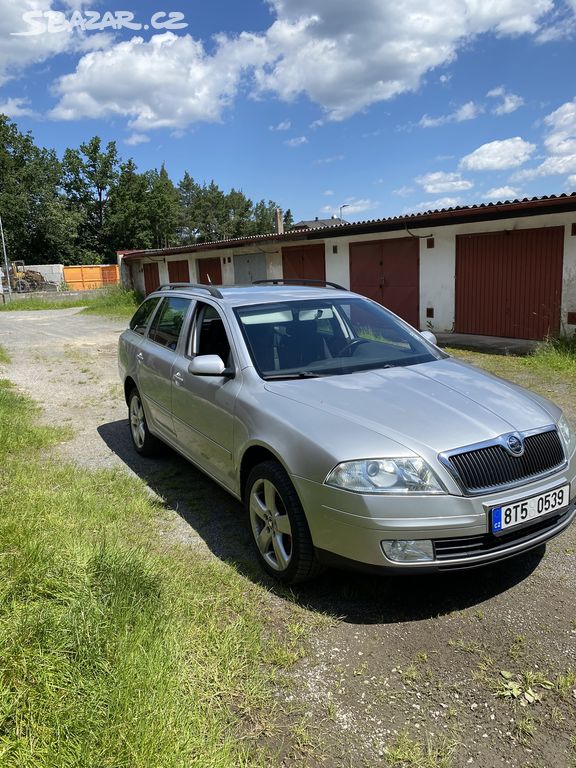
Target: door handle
{"x": 178, "y": 378}
{"x": 140, "y": 357}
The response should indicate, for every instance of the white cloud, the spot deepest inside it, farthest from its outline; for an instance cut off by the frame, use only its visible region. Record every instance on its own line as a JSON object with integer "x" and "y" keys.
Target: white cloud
{"x": 572, "y": 181}
{"x": 329, "y": 193}
{"x": 346, "y": 56}
{"x": 559, "y": 142}
{"x": 19, "y": 49}
{"x": 168, "y": 81}
{"x": 285, "y": 125}
{"x": 501, "y": 193}
{"x": 433, "y": 205}
{"x": 343, "y": 56}
{"x": 401, "y": 191}
{"x": 329, "y": 160}
{"x": 439, "y": 182}
{"x": 297, "y": 141}
{"x": 498, "y": 155}
{"x": 136, "y": 138}
{"x": 468, "y": 111}
{"x": 16, "y": 107}
{"x": 510, "y": 101}
{"x": 352, "y": 205}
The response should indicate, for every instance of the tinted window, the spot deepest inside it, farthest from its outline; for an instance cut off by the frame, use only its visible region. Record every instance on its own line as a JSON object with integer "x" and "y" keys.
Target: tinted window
{"x": 167, "y": 323}
{"x": 211, "y": 337}
{"x": 143, "y": 315}
{"x": 327, "y": 337}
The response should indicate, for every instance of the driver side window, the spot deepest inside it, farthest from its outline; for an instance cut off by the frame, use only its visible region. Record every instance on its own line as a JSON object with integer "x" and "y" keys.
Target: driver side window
{"x": 210, "y": 337}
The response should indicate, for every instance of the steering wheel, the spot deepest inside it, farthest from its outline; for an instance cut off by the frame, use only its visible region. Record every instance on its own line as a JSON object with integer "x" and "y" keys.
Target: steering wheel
{"x": 349, "y": 347}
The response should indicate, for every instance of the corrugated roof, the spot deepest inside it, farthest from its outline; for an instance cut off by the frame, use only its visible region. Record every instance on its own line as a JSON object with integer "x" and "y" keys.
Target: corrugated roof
{"x": 481, "y": 211}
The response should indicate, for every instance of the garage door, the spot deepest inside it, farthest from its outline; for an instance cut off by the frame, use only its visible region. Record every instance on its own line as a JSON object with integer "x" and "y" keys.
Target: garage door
{"x": 304, "y": 262}
{"x": 209, "y": 271}
{"x": 388, "y": 271}
{"x": 510, "y": 283}
{"x": 151, "y": 277}
{"x": 249, "y": 267}
{"x": 178, "y": 272}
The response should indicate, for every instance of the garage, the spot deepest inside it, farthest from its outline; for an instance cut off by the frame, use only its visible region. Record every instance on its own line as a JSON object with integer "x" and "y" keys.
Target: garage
{"x": 509, "y": 283}
{"x": 151, "y": 276}
{"x": 304, "y": 262}
{"x": 249, "y": 267}
{"x": 209, "y": 271}
{"x": 388, "y": 272}
{"x": 178, "y": 271}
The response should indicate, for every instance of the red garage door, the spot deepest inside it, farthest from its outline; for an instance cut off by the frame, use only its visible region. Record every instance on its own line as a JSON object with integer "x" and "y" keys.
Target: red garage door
{"x": 510, "y": 283}
{"x": 178, "y": 272}
{"x": 209, "y": 271}
{"x": 151, "y": 277}
{"x": 304, "y": 262}
{"x": 388, "y": 271}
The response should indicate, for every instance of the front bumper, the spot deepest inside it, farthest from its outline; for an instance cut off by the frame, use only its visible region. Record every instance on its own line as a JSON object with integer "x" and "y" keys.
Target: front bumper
{"x": 349, "y": 528}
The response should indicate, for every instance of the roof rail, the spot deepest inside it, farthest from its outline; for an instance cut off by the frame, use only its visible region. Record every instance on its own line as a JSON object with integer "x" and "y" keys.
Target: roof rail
{"x": 299, "y": 281}
{"x": 174, "y": 286}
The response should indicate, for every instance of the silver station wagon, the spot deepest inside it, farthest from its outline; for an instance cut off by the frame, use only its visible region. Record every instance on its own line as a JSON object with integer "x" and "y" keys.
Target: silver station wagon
{"x": 349, "y": 436}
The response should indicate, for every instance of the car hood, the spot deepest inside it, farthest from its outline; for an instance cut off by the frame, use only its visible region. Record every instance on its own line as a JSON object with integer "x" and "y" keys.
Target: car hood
{"x": 433, "y": 407}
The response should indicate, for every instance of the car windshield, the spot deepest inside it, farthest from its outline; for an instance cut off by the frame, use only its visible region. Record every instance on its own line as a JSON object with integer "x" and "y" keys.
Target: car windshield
{"x": 303, "y": 339}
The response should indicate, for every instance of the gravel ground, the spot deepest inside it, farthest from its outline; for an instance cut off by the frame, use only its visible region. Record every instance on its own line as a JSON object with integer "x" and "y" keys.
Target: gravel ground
{"x": 466, "y": 669}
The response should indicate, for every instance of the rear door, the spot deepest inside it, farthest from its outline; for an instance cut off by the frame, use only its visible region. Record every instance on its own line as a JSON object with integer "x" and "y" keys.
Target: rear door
{"x": 155, "y": 361}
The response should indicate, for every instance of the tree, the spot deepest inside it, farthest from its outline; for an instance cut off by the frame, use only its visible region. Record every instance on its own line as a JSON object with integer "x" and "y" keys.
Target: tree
{"x": 188, "y": 194}
{"x": 264, "y": 218}
{"x": 163, "y": 208}
{"x": 128, "y": 224}
{"x": 288, "y": 220}
{"x": 36, "y": 222}
{"x": 88, "y": 175}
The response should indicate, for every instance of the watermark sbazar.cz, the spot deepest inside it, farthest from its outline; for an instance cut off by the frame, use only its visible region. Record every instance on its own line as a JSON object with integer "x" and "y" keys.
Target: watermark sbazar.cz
{"x": 41, "y": 22}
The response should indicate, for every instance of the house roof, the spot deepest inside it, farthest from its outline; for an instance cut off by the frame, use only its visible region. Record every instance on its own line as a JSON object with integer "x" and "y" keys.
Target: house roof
{"x": 535, "y": 206}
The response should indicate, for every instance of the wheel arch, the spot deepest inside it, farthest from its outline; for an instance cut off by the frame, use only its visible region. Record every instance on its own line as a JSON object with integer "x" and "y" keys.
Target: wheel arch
{"x": 254, "y": 455}
{"x": 129, "y": 385}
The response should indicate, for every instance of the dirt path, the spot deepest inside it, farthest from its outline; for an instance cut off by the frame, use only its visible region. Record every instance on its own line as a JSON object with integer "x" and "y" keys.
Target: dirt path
{"x": 467, "y": 669}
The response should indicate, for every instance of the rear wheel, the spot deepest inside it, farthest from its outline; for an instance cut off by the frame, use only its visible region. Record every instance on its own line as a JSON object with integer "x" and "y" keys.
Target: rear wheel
{"x": 144, "y": 442}
{"x": 278, "y": 524}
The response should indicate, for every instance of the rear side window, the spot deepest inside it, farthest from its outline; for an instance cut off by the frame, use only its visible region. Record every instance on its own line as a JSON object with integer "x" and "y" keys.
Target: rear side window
{"x": 143, "y": 315}
{"x": 168, "y": 321}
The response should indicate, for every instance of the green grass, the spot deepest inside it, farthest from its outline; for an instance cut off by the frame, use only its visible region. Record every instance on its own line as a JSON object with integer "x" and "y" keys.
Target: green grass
{"x": 116, "y": 651}
{"x": 4, "y": 356}
{"x": 110, "y": 302}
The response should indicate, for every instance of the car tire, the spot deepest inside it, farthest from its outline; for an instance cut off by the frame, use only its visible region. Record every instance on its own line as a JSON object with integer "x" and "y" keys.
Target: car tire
{"x": 278, "y": 525}
{"x": 143, "y": 441}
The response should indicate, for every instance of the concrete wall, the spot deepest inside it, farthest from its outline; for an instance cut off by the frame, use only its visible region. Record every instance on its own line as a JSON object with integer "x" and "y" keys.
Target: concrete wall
{"x": 52, "y": 273}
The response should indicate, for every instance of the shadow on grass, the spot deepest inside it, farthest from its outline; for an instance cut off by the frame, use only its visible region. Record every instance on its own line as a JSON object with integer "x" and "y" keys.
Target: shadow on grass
{"x": 353, "y": 597}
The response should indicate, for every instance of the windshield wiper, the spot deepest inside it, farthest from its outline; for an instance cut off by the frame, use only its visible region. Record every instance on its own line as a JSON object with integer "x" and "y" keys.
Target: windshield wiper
{"x": 297, "y": 375}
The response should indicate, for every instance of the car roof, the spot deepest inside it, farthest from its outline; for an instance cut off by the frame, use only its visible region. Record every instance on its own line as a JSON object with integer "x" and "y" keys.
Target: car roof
{"x": 240, "y": 295}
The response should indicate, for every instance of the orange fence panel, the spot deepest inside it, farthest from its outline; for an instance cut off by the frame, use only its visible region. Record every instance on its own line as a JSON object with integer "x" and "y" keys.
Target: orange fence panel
{"x": 89, "y": 277}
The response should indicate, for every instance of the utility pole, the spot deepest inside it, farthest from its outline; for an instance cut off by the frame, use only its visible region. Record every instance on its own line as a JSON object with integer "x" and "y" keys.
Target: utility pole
{"x": 5, "y": 262}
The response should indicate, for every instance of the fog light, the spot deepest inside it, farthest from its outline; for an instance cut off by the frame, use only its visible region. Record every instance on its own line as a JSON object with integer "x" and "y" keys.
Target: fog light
{"x": 418, "y": 551}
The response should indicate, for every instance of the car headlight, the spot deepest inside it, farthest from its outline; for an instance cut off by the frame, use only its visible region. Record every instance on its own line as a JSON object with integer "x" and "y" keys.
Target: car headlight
{"x": 398, "y": 475}
{"x": 567, "y": 434}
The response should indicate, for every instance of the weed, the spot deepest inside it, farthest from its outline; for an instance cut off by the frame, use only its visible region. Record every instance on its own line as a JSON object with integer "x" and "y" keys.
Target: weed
{"x": 4, "y": 356}
{"x": 524, "y": 729}
{"x": 435, "y": 752}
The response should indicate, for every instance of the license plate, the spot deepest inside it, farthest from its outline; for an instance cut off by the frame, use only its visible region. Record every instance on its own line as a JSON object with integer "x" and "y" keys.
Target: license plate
{"x": 508, "y": 515}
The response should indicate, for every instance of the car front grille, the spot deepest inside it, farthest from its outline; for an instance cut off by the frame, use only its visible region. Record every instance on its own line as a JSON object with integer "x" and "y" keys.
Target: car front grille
{"x": 493, "y": 466}
{"x": 465, "y": 547}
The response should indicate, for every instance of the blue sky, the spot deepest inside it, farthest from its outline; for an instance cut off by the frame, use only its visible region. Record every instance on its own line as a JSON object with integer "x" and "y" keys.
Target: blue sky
{"x": 384, "y": 107}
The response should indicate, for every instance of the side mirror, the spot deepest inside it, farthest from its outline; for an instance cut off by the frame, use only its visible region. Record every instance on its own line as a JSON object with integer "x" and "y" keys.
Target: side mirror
{"x": 209, "y": 365}
{"x": 429, "y": 337}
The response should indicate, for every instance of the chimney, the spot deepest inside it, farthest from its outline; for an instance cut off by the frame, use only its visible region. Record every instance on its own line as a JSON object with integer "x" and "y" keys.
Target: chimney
{"x": 279, "y": 222}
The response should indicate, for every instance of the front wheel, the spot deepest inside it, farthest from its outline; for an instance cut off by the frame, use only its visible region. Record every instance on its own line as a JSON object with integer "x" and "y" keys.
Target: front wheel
{"x": 144, "y": 442}
{"x": 278, "y": 524}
